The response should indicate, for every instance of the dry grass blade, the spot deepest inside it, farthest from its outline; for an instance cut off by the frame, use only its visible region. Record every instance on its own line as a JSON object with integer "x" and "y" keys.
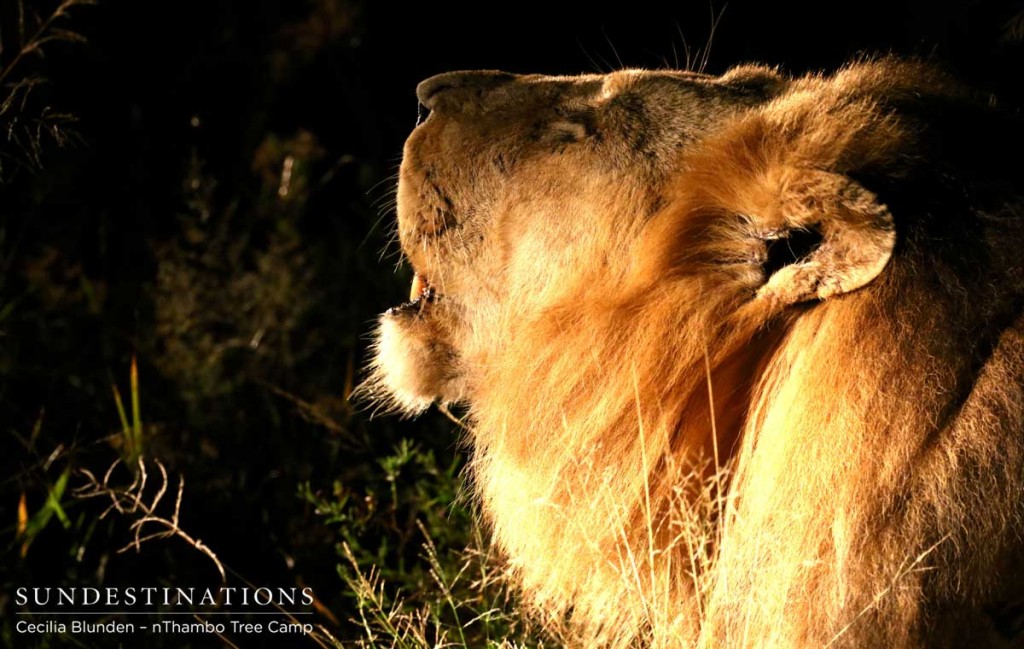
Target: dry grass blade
{"x": 909, "y": 567}
{"x": 25, "y": 120}
{"x": 45, "y": 32}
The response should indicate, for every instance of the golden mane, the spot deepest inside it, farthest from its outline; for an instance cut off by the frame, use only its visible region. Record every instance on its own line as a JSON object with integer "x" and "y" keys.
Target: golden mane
{"x": 687, "y": 447}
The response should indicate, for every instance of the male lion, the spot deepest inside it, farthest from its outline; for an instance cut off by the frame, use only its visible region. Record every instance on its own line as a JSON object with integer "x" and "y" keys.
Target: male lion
{"x": 743, "y": 356}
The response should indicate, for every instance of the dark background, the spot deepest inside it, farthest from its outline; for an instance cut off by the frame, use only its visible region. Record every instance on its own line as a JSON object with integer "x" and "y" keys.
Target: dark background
{"x": 159, "y": 225}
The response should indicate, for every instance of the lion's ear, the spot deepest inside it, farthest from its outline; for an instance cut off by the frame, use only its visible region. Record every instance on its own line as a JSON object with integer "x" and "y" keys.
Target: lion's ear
{"x": 822, "y": 235}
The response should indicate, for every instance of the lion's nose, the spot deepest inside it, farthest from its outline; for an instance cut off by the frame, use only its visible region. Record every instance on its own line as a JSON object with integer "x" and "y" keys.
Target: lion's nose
{"x": 461, "y": 90}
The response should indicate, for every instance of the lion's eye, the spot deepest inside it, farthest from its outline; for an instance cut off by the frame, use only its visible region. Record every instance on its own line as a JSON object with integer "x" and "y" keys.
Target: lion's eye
{"x": 569, "y": 131}
{"x": 572, "y": 125}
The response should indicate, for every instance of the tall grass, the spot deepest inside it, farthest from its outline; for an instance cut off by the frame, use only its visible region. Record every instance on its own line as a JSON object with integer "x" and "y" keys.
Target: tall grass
{"x": 27, "y": 123}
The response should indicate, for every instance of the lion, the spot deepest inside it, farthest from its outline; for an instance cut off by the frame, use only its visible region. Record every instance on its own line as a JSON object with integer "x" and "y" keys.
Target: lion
{"x": 742, "y": 356}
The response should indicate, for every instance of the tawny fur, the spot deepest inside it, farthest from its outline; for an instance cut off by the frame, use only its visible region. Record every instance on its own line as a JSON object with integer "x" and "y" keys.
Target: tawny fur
{"x": 674, "y": 447}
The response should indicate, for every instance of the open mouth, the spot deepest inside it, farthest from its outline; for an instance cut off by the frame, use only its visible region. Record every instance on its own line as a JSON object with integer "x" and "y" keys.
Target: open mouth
{"x": 421, "y": 293}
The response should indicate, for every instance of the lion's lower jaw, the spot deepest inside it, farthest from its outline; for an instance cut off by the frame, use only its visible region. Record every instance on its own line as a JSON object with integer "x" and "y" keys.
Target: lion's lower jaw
{"x": 411, "y": 369}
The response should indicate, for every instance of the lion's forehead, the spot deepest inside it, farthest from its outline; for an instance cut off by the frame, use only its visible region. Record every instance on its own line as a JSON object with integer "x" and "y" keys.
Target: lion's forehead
{"x": 601, "y": 87}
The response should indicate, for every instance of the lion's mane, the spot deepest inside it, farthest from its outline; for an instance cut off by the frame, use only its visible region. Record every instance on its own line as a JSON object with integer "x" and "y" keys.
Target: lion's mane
{"x": 688, "y": 449}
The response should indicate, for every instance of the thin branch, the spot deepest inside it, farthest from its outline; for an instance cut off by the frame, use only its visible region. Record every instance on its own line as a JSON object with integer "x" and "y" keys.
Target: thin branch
{"x": 131, "y": 500}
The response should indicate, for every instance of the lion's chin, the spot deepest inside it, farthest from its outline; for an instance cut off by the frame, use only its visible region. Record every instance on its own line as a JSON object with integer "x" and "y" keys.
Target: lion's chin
{"x": 403, "y": 368}
{"x": 413, "y": 366}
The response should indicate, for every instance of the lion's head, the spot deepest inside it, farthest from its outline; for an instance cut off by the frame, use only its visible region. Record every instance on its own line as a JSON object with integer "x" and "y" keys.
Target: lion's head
{"x": 510, "y": 170}
{"x": 724, "y": 344}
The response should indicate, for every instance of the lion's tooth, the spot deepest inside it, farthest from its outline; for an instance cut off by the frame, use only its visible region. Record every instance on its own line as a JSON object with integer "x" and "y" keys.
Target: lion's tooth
{"x": 419, "y": 285}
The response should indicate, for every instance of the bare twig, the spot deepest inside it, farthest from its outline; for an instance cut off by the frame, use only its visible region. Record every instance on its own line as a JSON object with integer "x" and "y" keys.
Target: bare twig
{"x": 131, "y": 501}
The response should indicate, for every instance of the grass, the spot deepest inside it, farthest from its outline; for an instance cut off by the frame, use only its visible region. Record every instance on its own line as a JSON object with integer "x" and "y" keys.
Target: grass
{"x": 131, "y": 432}
{"x": 453, "y": 593}
{"x": 28, "y": 123}
{"x": 470, "y": 607}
